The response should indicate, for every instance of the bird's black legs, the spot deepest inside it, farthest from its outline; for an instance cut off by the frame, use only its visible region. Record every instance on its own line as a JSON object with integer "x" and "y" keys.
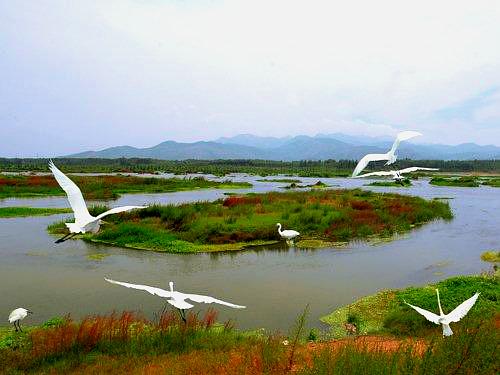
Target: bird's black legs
{"x": 182, "y": 314}
{"x": 17, "y": 326}
{"x": 66, "y": 237}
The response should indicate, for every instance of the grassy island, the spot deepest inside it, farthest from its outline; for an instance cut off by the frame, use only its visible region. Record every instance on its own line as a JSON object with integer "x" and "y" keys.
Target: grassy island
{"x": 238, "y": 221}
{"x": 6, "y": 212}
{"x": 106, "y": 186}
{"x": 464, "y": 181}
{"x": 390, "y": 183}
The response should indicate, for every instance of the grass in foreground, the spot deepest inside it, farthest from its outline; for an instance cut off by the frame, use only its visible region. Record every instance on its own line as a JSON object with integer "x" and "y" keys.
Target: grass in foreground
{"x": 7, "y": 212}
{"x": 239, "y": 221}
{"x": 385, "y": 312}
{"x": 106, "y": 187}
{"x": 129, "y": 343}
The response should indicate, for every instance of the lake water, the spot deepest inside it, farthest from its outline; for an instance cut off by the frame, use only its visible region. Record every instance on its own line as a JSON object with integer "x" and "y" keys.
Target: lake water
{"x": 275, "y": 282}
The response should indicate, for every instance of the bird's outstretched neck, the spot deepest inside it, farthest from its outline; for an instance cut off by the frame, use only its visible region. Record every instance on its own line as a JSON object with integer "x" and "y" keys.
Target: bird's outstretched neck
{"x": 439, "y": 303}
{"x": 279, "y": 228}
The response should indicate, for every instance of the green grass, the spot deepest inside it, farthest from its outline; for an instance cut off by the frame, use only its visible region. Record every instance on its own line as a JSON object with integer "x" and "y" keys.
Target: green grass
{"x": 406, "y": 182}
{"x": 386, "y": 312}
{"x": 491, "y": 256}
{"x": 7, "y": 212}
{"x": 107, "y": 187}
{"x": 465, "y": 181}
{"x": 322, "y": 216}
{"x": 317, "y": 185}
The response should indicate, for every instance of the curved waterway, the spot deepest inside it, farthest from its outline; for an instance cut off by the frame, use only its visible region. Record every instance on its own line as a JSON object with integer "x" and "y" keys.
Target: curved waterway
{"x": 275, "y": 282}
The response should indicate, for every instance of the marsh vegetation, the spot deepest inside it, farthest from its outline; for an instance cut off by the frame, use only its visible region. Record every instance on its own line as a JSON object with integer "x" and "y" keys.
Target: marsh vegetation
{"x": 239, "y": 221}
{"x": 107, "y": 186}
{"x": 386, "y": 312}
{"x": 130, "y": 343}
{"x": 6, "y": 212}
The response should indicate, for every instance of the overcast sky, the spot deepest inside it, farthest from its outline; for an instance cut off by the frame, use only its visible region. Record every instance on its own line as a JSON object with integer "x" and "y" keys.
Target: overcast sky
{"x": 79, "y": 75}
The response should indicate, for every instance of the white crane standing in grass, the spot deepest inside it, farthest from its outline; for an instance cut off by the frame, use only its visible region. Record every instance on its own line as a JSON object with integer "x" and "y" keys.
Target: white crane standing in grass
{"x": 84, "y": 221}
{"x": 17, "y": 315}
{"x": 397, "y": 175}
{"x": 176, "y": 299}
{"x": 458, "y": 313}
{"x": 288, "y": 235}
{"x": 390, "y": 156}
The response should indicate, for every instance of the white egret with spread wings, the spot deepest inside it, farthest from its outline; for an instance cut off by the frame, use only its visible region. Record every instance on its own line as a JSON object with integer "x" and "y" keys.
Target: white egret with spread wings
{"x": 390, "y": 156}
{"x": 445, "y": 319}
{"x": 175, "y": 298}
{"x": 84, "y": 221}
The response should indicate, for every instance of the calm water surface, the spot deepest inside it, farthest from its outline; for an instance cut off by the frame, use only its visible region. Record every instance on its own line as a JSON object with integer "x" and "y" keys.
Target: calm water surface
{"x": 274, "y": 282}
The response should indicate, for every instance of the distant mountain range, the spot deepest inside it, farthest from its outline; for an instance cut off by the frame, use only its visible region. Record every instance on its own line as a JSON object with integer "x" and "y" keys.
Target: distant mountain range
{"x": 320, "y": 147}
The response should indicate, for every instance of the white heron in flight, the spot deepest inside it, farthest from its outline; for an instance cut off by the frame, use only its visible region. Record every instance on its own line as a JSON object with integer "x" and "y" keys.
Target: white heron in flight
{"x": 17, "y": 315}
{"x": 84, "y": 221}
{"x": 289, "y": 235}
{"x": 390, "y": 156}
{"x": 445, "y": 319}
{"x": 397, "y": 175}
{"x": 176, "y": 299}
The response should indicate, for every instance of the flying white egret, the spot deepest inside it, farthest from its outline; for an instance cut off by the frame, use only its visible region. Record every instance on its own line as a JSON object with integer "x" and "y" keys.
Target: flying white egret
{"x": 17, "y": 315}
{"x": 458, "y": 313}
{"x": 84, "y": 221}
{"x": 176, "y": 299}
{"x": 288, "y": 235}
{"x": 397, "y": 175}
{"x": 390, "y": 156}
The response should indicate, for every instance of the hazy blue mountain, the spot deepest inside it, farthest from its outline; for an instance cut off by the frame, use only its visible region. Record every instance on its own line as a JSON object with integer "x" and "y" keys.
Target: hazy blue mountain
{"x": 254, "y": 141}
{"x": 320, "y": 147}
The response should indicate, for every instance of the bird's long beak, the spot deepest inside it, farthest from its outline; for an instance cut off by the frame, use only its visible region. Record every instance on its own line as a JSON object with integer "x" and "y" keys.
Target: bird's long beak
{"x": 104, "y": 222}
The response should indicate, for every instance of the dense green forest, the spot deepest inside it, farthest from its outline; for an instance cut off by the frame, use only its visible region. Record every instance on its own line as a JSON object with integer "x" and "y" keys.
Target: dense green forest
{"x": 326, "y": 168}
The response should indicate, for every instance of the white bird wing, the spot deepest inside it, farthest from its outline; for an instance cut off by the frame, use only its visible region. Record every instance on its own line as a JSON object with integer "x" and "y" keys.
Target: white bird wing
{"x": 430, "y": 316}
{"x": 461, "y": 310}
{"x": 403, "y": 136}
{"x": 414, "y": 169}
{"x": 117, "y": 210}
{"x": 150, "y": 289}
{"x": 380, "y": 173}
{"x": 290, "y": 232}
{"x": 74, "y": 194}
{"x": 365, "y": 160}
{"x": 207, "y": 299}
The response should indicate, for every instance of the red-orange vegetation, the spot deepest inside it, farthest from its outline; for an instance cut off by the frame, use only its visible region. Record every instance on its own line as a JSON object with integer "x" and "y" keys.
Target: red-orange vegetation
{"x": 236, "y": 201}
